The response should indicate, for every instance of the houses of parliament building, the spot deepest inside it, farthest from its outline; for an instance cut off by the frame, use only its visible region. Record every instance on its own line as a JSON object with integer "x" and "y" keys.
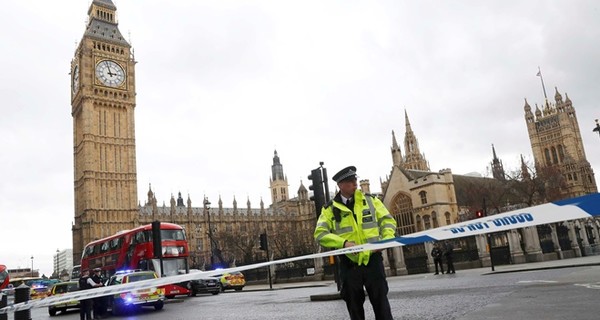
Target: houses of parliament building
{"x": 103, "y": 101}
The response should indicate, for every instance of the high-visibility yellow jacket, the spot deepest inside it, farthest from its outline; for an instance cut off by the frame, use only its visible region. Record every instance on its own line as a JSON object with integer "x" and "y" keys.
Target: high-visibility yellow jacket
{"x": 367, "y": 227}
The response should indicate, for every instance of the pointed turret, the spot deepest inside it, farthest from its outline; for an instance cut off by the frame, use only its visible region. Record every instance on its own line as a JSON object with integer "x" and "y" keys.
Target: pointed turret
{"x": 524, "y": 170}
{"x": 527, "y": 107}
{"x": 278, "y": 182}
{"x": 396, "y": 152}
{"x": 414, "y": 159}
{"x": 557, "y": 97}
{"x": 497, "y": 167}
{"x": 568, "y": 103}
{"x": 150, "y": 194}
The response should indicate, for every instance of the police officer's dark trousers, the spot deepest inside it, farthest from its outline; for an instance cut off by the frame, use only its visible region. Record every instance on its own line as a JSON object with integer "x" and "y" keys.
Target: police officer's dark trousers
{"x": 85, "y": 309}
{"x": 372, "y": 277}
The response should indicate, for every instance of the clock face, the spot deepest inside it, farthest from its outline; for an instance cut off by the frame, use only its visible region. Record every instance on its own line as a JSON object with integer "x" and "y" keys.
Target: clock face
{"x": 110, "y": 73}
{"x": 75, "y": 80}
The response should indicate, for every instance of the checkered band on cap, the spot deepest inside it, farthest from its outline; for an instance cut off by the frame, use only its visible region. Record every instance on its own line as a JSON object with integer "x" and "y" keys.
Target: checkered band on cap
{"x": 345, "y": 173}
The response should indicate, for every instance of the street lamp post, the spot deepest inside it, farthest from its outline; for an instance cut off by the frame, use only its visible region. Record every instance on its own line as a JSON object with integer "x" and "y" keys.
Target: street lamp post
{"x": 597, "y": 128}
{"x": 32, "y": 266}
{"x": 57, "y": 272}
{"x": 210, "y": 236}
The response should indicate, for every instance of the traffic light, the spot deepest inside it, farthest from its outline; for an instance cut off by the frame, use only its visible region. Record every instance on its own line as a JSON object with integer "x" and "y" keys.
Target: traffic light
{"x": 479, "y": 214}
{"x": 156, "y": 239}
{"x": 264, "y": 244}
{"x": 317, "y": 189}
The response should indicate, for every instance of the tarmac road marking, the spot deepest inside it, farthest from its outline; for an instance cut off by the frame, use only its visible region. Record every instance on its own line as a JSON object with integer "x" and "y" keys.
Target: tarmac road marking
{"x": 589, "y": 285}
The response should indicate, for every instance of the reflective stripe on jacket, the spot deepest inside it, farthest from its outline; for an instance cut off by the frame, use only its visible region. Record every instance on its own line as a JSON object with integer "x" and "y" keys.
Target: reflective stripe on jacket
{"x": 365, "y": 228}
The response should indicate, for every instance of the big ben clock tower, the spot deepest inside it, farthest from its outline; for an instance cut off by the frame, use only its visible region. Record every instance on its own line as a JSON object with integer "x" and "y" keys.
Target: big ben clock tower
{"x": 103, "y": 103}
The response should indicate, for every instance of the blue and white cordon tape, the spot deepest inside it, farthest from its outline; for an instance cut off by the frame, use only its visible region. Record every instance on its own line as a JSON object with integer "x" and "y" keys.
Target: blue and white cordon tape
{"x": 587, "y": 206}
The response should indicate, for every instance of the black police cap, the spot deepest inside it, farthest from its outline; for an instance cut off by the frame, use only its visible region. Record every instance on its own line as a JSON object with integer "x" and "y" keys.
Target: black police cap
{"x": 346, "y": 173}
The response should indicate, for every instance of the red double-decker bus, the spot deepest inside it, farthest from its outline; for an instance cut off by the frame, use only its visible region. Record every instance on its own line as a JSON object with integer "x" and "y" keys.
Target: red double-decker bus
{"x": 4, "y": 278}
{"x": 134, "y": 249}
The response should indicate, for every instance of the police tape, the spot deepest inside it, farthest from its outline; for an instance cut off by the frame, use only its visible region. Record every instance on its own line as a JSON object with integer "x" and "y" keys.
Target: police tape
{"x": 587, "y": 206}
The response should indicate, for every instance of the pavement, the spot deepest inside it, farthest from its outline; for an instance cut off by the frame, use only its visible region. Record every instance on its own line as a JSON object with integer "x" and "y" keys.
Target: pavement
{"x": 522, "y": 267}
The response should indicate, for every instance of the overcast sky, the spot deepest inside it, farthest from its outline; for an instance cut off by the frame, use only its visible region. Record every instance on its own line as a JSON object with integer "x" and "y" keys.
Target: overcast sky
{"x": 222, "y": 84}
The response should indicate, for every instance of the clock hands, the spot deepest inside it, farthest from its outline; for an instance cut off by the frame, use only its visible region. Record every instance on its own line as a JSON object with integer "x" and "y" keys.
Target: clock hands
{"x": 108, "y": 67}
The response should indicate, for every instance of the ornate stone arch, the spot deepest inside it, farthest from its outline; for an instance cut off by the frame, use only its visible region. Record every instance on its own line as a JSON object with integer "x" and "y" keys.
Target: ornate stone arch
{"x": 401, "y": 209}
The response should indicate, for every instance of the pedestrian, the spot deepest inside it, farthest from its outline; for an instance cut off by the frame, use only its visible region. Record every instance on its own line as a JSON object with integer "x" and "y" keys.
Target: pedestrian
{"x": 448, "y": 254}
{"x": 99, "y": 302}
{"x": 436, "y": 254}
{"x": 85, "y": 305}
{"x": 354, "y": 218}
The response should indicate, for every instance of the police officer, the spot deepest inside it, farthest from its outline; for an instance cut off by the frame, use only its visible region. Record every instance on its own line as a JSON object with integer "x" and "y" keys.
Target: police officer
{"x": 99, "y": 302}
{"x": 353, "y": 218}
{"x": 85, "y": 308}
{"x": 449, "y": 254}
{"x": 436, "y": 254}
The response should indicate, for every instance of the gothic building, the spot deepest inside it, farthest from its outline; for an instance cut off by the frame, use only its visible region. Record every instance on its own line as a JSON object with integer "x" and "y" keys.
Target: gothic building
{"x": 102, "y": 106}
{"x": 557, "y": 145}
{"x": 417, "y": 198}
{"x": 289, "y": 224}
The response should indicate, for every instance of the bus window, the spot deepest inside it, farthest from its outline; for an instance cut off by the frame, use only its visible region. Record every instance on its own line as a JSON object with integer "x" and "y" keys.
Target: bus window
{"x": 105, "y": 247}
{"x": 75, "y": 272}
{"x": 116, "y": 243}
{"x": 139, "y": 237}
{"x": 89, "y": 250}
{"x": 172, "y": 235}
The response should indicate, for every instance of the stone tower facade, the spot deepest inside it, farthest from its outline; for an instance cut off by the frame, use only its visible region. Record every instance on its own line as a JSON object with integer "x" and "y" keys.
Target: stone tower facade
{"x": 103, "y": 103}
{"x": 278, "y": 182}
{"x": 557, "y": 145}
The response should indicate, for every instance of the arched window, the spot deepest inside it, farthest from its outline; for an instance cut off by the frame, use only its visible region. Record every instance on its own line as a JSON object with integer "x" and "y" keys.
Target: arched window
{"x": 427, "y": 222}
{"x": 401, "y": 209}
{"x": 561, "y": 153}
{"x": 448, "y": 220}
{"x": 547, "y": 154}
{"x": 419, "y": 223}
{"x": 554, "y": 155}
{"x": 434, "y": 219}
{"x": 423, "y": 196}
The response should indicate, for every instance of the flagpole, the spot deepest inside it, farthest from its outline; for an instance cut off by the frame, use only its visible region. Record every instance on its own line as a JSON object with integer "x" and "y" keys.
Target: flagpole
{"x": 543, "y": 87}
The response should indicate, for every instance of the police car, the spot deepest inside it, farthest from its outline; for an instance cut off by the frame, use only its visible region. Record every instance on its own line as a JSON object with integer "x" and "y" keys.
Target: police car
{"x": 132, "y": 300}
{"x": 59, "y": 289}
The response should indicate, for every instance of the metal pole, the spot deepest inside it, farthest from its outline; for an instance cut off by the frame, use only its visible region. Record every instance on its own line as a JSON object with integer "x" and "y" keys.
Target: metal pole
{"x": 488, "y": 237}
{"x": 543, "y": 87}
{"x": 268, "y": 259}
{"x": 210, "y": 236}
{"x": 32, "y": 266}
{"x": 325, "y": 183}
